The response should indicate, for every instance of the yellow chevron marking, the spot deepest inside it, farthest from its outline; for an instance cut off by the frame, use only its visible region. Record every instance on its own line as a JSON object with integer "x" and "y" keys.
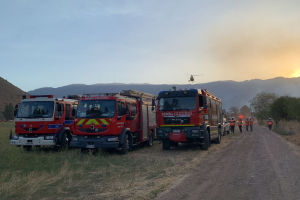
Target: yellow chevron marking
{"x": 81, "y": 121}
{"x": 92, "y": 120}
{"x": 104, "y": 121}
{"x": 136, "y": 116}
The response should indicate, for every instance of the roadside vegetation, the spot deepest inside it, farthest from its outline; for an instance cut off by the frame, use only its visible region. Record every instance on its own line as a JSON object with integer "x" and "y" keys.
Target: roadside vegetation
{"x": 47, "y": 174}
{"x": 284, "y": 111}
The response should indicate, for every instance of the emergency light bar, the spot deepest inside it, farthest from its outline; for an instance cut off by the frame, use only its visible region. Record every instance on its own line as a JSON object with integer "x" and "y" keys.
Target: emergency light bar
{"x": 35, "y": 96}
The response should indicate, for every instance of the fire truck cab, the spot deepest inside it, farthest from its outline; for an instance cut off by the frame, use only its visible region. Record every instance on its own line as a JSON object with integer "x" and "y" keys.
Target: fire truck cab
{"x": 43, "y": 120}
{"x": 114, "y": 121}
{"x": 193, "y": 115}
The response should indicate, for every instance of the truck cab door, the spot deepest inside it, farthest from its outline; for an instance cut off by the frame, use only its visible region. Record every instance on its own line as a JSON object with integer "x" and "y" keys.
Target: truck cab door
{"x": 121, "y": 118}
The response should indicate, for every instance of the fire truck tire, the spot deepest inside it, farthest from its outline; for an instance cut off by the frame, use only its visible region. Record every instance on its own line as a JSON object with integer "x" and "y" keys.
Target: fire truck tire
{"x": 166, "y": 144}
{"x": 218, "y": 140}
{"x": 124, "y": 146}
{"x": 27, "y": 147}
{"x": 64, "y": 141}
{"x": 206, "y": 142}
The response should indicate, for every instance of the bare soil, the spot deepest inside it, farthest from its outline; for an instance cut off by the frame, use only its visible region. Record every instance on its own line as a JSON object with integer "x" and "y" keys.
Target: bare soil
{"x": 256, "y": 165}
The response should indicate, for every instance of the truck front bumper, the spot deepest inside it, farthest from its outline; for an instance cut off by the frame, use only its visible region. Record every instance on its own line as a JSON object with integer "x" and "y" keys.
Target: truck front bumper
{"x": 189, "y": 132}
{"x": 34, "y": 141}
{"x": 92, "y": 142}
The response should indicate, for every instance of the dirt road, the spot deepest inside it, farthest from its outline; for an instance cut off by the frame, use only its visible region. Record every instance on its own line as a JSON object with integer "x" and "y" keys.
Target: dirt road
{"x": 256, "y": 165}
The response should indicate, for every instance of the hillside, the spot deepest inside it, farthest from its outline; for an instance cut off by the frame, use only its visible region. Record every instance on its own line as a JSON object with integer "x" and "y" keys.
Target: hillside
{"x": 232, "y": 93}
{"x": 9, "y": 94}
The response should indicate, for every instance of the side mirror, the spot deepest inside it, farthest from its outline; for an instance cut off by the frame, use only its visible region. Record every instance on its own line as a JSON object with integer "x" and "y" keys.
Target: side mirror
{"x": 153, "y": 102}
{"x": 15, "y": 112}
{"x": 16, "y": 106}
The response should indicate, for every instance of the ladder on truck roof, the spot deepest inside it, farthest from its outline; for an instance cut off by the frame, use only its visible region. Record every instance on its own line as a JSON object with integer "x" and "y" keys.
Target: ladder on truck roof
{"x": 137, "y": 94}
{"x": 99, "y": 94}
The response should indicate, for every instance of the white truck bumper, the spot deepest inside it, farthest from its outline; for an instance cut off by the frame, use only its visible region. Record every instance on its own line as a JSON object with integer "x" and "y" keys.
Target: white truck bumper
{"x": 38, "y": 141}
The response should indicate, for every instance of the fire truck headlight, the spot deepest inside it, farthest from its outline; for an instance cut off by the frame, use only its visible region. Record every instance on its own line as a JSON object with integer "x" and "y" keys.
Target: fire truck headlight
{"x": 115, "y": 139}
{"x": 49, "y": 137}
{"x": 195, "y": 131}
{"x": 74, "y": 138}
{"x": 15, "y": 137}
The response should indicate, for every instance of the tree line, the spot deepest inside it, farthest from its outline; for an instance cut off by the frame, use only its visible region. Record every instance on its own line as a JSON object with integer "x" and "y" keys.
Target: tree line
{"x": 269, "y": 105}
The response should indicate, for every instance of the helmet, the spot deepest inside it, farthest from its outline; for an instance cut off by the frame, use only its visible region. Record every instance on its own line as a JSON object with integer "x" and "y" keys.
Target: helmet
{"x": 269, "y": 118}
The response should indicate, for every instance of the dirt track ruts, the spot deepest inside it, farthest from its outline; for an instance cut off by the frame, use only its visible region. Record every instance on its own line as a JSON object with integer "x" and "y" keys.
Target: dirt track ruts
{"x": 255, "y": 165}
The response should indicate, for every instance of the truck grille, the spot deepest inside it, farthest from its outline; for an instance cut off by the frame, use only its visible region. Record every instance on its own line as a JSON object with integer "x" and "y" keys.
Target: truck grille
{"x": 177, "y": 120}
{"x": 88, "y": 130}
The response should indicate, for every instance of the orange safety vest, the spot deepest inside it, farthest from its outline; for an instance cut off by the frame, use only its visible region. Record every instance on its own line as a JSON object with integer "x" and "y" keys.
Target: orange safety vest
{"x": 246, "y": 122}
{"x": 251, "y": 121}
{"x": 270, "y": 122}
{"x": 231, "y": 122}
{"x": 240, "y": 123}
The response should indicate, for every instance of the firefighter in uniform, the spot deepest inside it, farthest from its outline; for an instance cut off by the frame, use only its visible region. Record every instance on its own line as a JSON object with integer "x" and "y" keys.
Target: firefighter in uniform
{"x": 240, "y": 124}
{"x": 232, "y": 124}
{"x": 251, "y": 123}
{"x": 247, "y": 124}
{"x": 270, "y": 123}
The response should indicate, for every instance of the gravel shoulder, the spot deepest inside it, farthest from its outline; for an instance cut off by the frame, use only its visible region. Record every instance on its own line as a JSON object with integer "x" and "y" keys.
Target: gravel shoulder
{"x": 256, "y": 165}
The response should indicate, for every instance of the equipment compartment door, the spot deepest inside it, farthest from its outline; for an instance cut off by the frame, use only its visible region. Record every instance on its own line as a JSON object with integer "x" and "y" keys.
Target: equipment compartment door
{"x": 145, "y": 121}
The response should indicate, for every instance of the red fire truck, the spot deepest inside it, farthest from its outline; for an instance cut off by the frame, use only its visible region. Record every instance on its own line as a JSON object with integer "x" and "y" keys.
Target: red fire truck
{"x": 114, "y": 121}
{"x": 188, "y": 116}
{"x": 43, "y": 120}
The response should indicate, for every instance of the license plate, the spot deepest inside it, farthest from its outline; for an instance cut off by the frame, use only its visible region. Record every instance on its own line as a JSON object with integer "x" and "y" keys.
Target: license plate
{"x": 176, "y": 131}
{"x": 29, "y": 143}
{"x": 90, "y": 146}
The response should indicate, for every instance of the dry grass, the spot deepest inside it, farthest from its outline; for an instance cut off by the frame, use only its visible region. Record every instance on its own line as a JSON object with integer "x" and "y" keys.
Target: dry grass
{"x": 46, "y": 174}
{"x": 290, "y": 130}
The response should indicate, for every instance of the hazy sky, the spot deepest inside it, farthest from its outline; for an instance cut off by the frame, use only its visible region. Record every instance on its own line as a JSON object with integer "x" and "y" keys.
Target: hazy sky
{"x": 52, "y": 43}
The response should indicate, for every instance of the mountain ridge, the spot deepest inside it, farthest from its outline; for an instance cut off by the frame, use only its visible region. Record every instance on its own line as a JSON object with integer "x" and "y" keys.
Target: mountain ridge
{"x": 232, "y": 93}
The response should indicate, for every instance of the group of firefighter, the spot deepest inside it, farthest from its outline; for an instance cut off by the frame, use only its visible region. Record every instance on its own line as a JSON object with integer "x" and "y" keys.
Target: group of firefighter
{"x": 248, "y": 122}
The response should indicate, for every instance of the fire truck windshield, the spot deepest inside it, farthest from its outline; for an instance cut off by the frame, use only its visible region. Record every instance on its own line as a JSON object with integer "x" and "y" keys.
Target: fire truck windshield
{"x": 36, "y": 109}
{"x": 177, "y": 103}
{"x": 96, "y": 109}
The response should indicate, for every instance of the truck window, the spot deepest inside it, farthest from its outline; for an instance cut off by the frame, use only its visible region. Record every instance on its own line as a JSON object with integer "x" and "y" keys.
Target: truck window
{"x": 200, "y": 101}
{"x": 68, "y": 108}
{"x": 74, "y": 109}
{"x": 58, "y": 114}
{"x": 120, "y": 106}
{"x": 128, "y": 109}
{"x": 133, "y": 110}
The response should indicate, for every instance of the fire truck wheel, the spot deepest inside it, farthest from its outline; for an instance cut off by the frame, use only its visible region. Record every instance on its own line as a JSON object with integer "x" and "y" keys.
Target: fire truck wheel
{"x": 205, "y": 146}
{"x": 64, "y": 141}
{"x": 218, "y": 140}
{"x": 124, "y": 146}
{"x": 166, "y": 144}
{"x": 27, "y": 148}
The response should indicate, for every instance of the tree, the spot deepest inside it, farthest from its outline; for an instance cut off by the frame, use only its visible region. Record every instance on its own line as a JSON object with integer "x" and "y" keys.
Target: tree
{"x": 260, "y": 104}
{"x": 234, "y": 111}
{"x": 8, "y": 113}
{"x": 1, "y": 116}
{"x": 245, "y": 111}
